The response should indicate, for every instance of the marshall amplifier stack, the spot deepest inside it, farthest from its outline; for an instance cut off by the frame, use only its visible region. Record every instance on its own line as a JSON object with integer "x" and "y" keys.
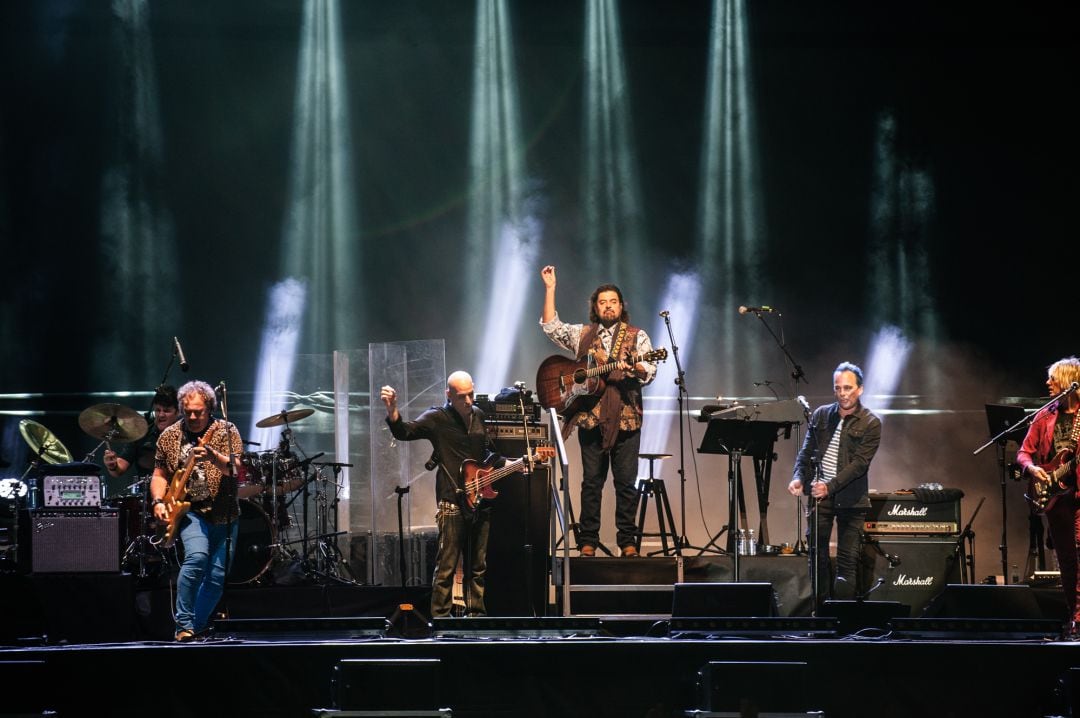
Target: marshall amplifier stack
{"x": 911, "y": 546}
{"x": 72, "y": 531}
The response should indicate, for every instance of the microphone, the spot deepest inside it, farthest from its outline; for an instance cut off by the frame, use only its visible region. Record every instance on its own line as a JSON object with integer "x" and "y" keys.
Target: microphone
{"x": 665, "y": 313}
{"x": 763, "y": 309}
{"x": 184, "y": 366}
{"x": 802, "y": 401}
{"x": 1073, "y": 387}
{"x": 894, "y": 561}
{"x": 519, "y": 385}
{"x": 220, "y": 388}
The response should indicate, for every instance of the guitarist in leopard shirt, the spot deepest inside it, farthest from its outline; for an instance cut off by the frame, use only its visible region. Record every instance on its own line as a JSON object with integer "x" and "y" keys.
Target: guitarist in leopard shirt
{"x": 201, "y": 445}
{"x": 609, "y": 424}
{"x": 1050, "y": 444}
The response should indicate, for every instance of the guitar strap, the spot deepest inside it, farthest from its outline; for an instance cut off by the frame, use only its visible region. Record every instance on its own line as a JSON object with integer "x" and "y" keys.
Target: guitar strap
{"x": 617, "y": 342}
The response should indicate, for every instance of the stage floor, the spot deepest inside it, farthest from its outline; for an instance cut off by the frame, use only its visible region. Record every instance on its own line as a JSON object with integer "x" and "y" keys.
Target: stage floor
{"x": 494, "y": 673}
{"x": 101, "y": 644}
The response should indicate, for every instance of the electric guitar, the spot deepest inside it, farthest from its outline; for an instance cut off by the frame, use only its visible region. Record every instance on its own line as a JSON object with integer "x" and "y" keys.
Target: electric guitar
{"x": 1061, "y": 476}
{"x": 477, "y": 478}
{"x": 561, "y": 382}
{"x": 175, "y": 498}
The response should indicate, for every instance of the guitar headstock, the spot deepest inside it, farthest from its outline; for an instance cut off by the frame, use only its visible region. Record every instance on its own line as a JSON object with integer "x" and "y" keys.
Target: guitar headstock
{"x": 655, "y": 355}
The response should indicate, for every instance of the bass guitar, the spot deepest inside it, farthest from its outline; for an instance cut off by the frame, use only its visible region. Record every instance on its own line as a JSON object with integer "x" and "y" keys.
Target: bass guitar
{"x": 175, "y": 498}
{"x": 1061, "y": 476}
{"x": 561, "y": 382}
{"x": 477, "y": 478}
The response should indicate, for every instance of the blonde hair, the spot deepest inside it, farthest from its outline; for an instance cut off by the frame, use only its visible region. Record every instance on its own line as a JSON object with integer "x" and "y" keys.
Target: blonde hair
{"x": 1065, "y": 371}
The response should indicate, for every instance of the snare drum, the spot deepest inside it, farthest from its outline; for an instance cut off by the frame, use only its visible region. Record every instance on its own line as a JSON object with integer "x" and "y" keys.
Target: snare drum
{"x": 250, "y": 471}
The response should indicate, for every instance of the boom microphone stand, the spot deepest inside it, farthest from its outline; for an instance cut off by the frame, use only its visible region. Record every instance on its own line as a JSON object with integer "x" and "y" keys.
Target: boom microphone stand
{"x": 681, "y": 541}
{"x": 229, "y": 484}
{"x": 798, "y": 375}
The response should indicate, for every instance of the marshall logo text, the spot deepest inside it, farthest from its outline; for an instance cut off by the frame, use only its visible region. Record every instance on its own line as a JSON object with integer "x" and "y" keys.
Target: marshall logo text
{"x": 905, "y": 580}
{"x": 898, "y": 510}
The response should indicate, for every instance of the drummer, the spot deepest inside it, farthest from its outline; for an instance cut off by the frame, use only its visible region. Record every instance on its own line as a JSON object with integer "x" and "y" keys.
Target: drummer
{"x": 166, "y": 411}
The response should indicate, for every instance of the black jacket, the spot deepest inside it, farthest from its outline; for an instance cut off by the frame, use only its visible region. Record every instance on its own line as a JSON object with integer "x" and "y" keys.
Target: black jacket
{"x": 858, "y": 444}
{"x": 452, "y": 442}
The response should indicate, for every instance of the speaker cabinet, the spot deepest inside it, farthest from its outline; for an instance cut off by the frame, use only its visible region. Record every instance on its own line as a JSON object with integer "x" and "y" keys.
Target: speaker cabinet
{"x": 517, "y": 569}
{"x": 397, "y": 684}
{"x": 912, "y": 571}
{"x": 754, "y": 687}
{"x": 727, "y": 600}
{"x": 73, "y": 542}
{"x": 982, "y": 601}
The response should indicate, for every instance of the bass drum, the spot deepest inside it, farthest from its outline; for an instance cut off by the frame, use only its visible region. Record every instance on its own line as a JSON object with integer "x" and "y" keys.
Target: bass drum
{"x": 254, "y": 550}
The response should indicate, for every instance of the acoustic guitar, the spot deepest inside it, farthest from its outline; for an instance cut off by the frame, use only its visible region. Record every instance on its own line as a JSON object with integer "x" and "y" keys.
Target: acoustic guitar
{"x": 562, "y": 382}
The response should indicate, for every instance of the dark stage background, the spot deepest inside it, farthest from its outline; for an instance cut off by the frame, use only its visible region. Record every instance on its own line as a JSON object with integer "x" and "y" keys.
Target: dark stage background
{"x": 979, "y": 99}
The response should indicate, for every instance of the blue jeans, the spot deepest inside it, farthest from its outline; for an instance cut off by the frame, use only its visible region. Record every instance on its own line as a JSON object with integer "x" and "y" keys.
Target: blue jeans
{"x": 459, "y": 537}
{"x": 623, "y": 460}
{"x": 849, "y": 526}
{"x": 202, "y": 574}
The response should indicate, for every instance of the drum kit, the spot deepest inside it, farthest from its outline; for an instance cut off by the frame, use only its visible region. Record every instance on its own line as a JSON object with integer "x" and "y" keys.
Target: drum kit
{"x": 264, "y": 520}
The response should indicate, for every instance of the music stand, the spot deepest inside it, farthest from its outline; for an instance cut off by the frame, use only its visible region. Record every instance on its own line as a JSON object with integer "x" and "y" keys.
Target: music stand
{"x": 1007, "y": 422}
{"x": 736, "y": 438}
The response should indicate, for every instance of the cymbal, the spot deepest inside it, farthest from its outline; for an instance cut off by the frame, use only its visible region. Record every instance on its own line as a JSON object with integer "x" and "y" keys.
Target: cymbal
{"x": 113, "y": 422}
{"x": 44, "y": 443}
{"x": 654, "y": 456}
{"x": 285, "y": 417}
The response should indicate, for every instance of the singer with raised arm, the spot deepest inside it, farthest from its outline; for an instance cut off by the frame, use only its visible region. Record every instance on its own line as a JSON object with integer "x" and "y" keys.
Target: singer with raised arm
{"x": 193, "y": 496}
{"x": 1047, "y": 457}
{"x": 461, "y": 447}
{"x": 833, "y": 467}
{"x": 608, "y": 423}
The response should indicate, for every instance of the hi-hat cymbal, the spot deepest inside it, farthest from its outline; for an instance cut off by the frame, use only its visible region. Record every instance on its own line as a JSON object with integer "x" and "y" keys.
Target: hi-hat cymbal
{"x": 654, "y": 456}
{"x": 284, "y": 417}
{"x": 44, "y": 443}
{"x": 113, "y": 422}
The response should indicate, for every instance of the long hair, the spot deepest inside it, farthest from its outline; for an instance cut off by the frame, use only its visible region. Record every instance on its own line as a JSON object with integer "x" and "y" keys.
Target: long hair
{"x": 1065, "y": 371}
{"x": 594, "y": 318}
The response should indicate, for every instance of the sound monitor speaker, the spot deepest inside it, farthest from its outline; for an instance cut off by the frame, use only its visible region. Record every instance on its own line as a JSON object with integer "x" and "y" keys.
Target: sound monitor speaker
{"x": 74, "y": 542}
{"x": 397, "y": 684}
{"x": 751, "y": 687}
{"x": 982, "y": 601}
{"x": 700, "y": 600}
{"x": 919, "y": 569}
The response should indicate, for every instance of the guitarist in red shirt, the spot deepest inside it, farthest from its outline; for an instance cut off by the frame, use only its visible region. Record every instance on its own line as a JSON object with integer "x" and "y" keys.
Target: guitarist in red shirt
{"x": 1048, "y": 458}
{"x": 609, "y": 420}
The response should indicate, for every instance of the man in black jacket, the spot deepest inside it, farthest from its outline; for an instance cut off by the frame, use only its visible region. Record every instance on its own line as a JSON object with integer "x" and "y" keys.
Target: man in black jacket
{"x": 456, "y": 432}
{"x": 832, "y": 467}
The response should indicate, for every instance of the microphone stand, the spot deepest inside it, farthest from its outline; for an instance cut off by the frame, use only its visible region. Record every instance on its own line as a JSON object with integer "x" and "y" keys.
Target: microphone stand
{"x": 529, "y": 476}
{"x": 797, "y": 375}
{"x": 1001, "y": 438}
{"x": 683, "y": 400}
{"x": 968, "y": 575}
{"x": 233, "y": 489}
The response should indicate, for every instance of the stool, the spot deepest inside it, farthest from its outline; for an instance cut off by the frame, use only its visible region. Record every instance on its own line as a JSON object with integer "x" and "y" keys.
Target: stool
{"x": 654, "y": 487}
